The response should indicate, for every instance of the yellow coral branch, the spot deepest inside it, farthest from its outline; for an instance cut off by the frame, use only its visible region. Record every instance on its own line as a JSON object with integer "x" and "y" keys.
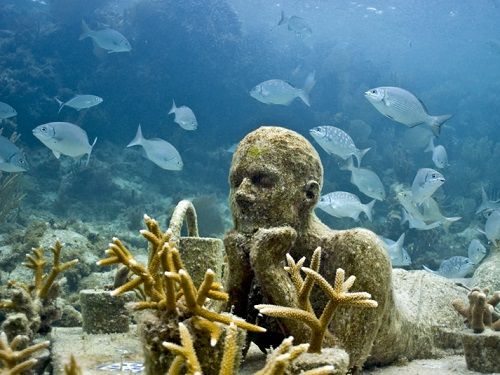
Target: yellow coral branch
{"x": 230, "y": 350}
{"x": 186, "y": 350}
{"x": 190, "y": 296}
{"x": 46, "y": 283}
{"x": 290, "y": 313}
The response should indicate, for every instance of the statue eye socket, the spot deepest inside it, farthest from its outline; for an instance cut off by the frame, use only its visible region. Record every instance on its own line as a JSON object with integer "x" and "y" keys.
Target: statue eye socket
{"x": 263, "y": 180}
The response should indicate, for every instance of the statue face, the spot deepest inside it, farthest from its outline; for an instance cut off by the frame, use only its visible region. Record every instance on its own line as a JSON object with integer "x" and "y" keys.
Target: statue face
{"x": 262, "y": 195}
{"x": 275, "y": 180}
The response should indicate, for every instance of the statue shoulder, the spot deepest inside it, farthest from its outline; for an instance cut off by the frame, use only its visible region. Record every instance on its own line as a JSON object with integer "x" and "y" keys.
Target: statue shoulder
{"x": 358, "y": 245}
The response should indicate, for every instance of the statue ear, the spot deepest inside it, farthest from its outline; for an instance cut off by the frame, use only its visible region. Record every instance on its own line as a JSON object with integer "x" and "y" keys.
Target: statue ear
{"x": 311, "y": 191}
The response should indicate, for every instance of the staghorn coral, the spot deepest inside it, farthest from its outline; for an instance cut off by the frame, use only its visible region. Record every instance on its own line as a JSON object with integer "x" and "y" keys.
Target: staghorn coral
{"x": 72, "y": 367}
{"x": 338, "y": 296}
{"x": 277, "y": 363}
{"x": 15, "y": 357}
{"x": 480, "y": 312}
{"x": 170, "y": 294}
{"x": 164, "y": 281}
{"x": 36, "y": 302}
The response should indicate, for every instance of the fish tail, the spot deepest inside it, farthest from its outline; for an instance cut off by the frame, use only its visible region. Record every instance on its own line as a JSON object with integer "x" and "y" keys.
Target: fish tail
{"x": 360, "y": 154}
{"x": 430, "y": 146}
{"x": 368, "y": 209}
{"x": 85, "y": 30}
{"x": 405, "y": 217}
{"x": 308, "y": 86}
{"x": 137, "y": 139}
{"x": 91, "y": 148}
{"x": 61, "y": 104}
{"x": 401, "y": 240}
{"x": 174, "y": 107}
{"x": 348, "y": 166}
{"x": 283, "y": 18}
{"x": 437, "y": 122}
{"x": 447, "y": 221}
{"x": 484, "y": 201}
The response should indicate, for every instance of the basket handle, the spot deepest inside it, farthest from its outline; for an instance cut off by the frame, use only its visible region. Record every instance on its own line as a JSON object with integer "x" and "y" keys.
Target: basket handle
{"x": 184, "y": 210}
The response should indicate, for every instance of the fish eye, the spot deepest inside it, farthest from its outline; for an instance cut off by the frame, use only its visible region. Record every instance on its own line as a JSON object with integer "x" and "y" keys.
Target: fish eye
{"x": 374, "y": 91}
{"x": 44, "y": 129}
{"x": 434, "y": 175}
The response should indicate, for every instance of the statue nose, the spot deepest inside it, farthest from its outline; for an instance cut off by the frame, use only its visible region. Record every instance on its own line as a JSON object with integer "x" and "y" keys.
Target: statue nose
{"x": 244, "y": 196}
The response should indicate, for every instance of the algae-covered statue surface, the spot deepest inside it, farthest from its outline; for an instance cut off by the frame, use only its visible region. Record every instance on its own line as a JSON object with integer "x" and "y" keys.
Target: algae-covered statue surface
{"x": 276, "y": 177}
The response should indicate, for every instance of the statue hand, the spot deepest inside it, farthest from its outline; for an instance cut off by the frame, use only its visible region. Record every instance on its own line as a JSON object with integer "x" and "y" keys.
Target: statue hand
{"x": 269, "y": 245}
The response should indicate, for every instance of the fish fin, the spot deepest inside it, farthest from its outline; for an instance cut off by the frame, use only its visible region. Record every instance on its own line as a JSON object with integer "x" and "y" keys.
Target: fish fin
{"x": 348, "y": 166}
{"x": 401, "y": 240}
{"x": 310, "y": 82}
{"x": 137, "y": 141}
{"x": 174, "y": 107}
{"x": 304, "y": 97}
{"x": 368, "y": 209}
{"x": 283, "y": 18}
{"x": 57, "y": 154}
{"x": 429, "y": 270}
{"x": 360, "y": 153}
{"x": 91, "y": 148}
{"x": 61, "y": 104}
{"x": 85, "y": 31}
{"x": 437, "y": 121}
{"x": 484, "y": 201}
{"x": 430, "y": 146}
{"x": 404, "y": 218}
{"x": 447, "y": 221}
{"x": 308, "y": 86}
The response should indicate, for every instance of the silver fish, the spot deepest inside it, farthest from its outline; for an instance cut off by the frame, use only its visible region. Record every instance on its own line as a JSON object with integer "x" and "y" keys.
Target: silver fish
{"x": 476, "y": 251}
{"x": 336, "y": 141}
{"x": 418, "y": 223}
{"x": 454, "y": 267}
{"x": 65, "y": 138}
{"x": 296, "y": 24}
{"x": 80, "y": 102}
{"x": 6, "y": 111}
{"x": 343, "y": 204}
{"x": 159, "y": 151}
{"x": 11, "y": 157}
{"x": 184, "y": 116}
{"x": 411, "y": 213}
{"x": 425, "y": 183}
{"x": 277, "y": 91}
{"x": 431, "y": 212}
{"x": 366, "y": 180}
{"x": 439, "y": 155}
{"x": 107, "y": 39}
{"x": 402, "y": 106}
{"x": 492, "y": 226}
{"x": 487, "y": 204}
{"x": 399, "y": 255}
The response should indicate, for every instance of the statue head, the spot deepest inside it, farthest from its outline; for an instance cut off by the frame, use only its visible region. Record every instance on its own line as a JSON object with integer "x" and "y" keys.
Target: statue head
{"x": 275, "y": 180}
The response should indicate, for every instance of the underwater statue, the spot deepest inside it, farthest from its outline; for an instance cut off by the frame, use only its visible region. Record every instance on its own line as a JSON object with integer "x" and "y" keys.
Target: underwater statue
{"x": 276, "y": 177}
{"x": 275, "y": 182}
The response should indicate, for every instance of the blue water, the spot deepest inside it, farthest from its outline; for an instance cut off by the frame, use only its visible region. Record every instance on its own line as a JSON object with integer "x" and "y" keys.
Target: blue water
{"x": 208, "y": 54}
